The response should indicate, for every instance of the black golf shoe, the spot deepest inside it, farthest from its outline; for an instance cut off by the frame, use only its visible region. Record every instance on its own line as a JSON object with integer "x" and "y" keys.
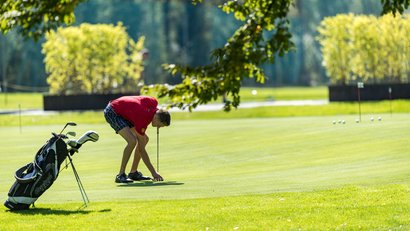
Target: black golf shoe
{"x": 122, "y": 178}
{"x": 138, "y": 176}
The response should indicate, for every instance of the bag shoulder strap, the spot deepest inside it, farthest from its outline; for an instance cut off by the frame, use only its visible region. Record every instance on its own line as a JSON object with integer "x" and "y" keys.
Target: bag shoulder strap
{"x": 28, "y": 177}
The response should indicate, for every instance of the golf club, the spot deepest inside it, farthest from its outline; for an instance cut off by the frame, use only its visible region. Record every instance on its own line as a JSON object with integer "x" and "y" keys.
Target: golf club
{"x": 68, "y": 124}
{"x": 72, "y": 143}
{"x": 73, "y": 134}
{"x": 88, "y": 136}
{"x": 76, "y": 144}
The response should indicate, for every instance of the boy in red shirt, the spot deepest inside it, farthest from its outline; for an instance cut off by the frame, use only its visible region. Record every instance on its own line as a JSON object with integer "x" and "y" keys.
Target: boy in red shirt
{"x": 130, "y": 116}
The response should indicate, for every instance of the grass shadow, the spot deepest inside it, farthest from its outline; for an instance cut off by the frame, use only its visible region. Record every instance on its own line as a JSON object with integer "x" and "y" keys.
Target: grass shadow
{"x": 150, "y": 184}
{"x": 49, "y": 211}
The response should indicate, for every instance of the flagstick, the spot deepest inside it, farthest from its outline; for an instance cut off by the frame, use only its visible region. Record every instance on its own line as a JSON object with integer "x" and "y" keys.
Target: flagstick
{"x": 157, "y": 149}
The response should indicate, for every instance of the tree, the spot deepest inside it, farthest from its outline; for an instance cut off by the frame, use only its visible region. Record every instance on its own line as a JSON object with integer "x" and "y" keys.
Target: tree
{"x": 263, "y": 35}
{"x": 334, "y": 37}
{"x": 92, "y": 59}
{"x": 394, "y": 38}
{"x": 35, "y": 18}
{"x": 367, "y": 52}
{"x": 6, "y": 55}
{"x": 395, "y": 6}
{"x": 372, "y": 49}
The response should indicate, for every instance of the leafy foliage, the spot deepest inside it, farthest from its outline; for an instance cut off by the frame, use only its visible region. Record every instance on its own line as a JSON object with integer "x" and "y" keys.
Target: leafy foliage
{"x": 34, "y": 18}
{"x": 263, "y": 35}
{"x": 335, "y": 47}
{"x": 92, "y": 59}
{"x": 366, "y": 47}
{"x": 394, "y": 6}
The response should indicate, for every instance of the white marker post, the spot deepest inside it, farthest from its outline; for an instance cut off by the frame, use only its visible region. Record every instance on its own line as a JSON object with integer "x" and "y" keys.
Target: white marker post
{"x": 359, "y": 85}
{"x": 21, "y": 130}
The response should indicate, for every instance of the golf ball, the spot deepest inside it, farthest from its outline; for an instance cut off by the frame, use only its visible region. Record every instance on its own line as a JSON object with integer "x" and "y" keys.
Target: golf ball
{"x": 357, "y": 120}
{"x": 334, "y": 121}
{"x": 343, "y": 122}
{"x": 372, "y": 119}
{"x": 254, "y": 92}
{"x": 380, "y": 118}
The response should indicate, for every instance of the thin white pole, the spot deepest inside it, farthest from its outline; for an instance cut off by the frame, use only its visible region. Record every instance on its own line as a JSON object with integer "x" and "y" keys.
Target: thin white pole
{"x": 157, "y": 149}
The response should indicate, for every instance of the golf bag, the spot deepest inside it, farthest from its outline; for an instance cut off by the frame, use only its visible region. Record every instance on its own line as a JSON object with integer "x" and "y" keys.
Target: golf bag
{"x": 33, "y": 179}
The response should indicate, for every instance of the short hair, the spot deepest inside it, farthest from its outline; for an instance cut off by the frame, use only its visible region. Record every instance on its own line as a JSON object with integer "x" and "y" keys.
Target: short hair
{"x": 164, "y": 117}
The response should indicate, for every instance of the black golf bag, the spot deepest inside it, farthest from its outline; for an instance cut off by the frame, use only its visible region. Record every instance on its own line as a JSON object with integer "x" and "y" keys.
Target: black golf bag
{"x": 33, "y": 179}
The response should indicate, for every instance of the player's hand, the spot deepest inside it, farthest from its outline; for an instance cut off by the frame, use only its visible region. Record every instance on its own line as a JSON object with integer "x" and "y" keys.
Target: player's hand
{"x": 157, "y": 177}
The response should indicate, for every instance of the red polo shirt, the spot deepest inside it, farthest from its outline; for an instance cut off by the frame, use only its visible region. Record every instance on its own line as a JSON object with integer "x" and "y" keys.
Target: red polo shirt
{"x": 138, "y": 110}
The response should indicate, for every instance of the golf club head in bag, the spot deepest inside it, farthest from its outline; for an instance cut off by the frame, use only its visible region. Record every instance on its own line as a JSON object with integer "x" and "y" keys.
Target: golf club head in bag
{"x": 68, "y": 124}
{"x": 76, "y": 144}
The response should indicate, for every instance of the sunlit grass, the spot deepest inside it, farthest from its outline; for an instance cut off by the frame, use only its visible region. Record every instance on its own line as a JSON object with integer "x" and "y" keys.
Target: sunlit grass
{"x": 347, "y": 208}
{"x": 384, "y": 108}
{"x": 266, "y": 168}
{"x": 16, "y": 101}
{"x": 252, "y": 174}
{"x": 12, "y": 101}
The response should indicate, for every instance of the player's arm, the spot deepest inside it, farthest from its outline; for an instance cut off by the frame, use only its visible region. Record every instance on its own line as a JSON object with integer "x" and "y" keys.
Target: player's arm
{"x": 142, "y": 143}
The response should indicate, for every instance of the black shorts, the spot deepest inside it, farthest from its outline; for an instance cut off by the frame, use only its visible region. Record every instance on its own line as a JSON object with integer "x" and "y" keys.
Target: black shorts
{"x": 116, "y": 121}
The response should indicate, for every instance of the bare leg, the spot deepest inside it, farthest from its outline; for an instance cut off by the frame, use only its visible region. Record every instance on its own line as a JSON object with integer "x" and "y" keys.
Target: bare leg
{"x": 131, "y": 140}
{"x": 137, "y": 155}
{"x": 136, "y": 161}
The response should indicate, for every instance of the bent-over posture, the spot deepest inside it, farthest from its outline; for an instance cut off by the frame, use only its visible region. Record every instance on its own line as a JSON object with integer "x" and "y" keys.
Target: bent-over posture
{"x": 130, "y": 116}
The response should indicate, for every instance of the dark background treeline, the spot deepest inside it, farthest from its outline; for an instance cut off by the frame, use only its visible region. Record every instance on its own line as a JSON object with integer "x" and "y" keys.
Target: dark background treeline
{"x": 178, "y": 32}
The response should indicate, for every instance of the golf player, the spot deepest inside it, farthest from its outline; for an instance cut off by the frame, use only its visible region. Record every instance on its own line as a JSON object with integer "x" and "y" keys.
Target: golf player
{"x": 130, "y": 116}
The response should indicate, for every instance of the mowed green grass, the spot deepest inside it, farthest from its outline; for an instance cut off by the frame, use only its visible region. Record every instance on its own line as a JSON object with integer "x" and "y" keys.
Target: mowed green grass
{"x": 331, "y": 109}
{"x": 247, "y": 174}
{"x": 249, "y": 94}
{"x": 14, "y": 101}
